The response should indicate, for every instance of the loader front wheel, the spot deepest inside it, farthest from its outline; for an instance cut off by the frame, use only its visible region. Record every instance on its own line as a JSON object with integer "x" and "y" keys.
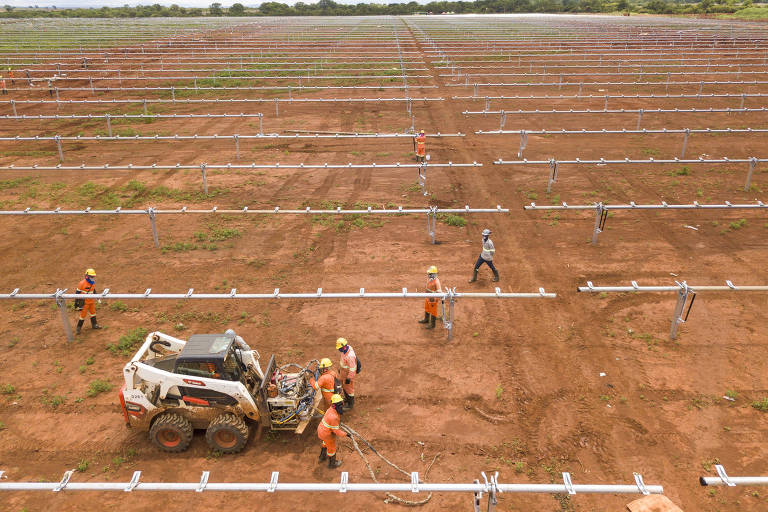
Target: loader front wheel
{"x": 227, "y": 434}
{"x": 171, "y": 432}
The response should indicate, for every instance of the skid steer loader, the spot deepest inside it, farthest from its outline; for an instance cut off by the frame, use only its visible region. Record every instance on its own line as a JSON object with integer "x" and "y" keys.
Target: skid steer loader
{"x": 212, "y": 382}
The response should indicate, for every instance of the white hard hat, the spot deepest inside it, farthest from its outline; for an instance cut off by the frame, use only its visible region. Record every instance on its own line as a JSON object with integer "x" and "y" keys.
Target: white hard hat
{"x": 486, "y": 232}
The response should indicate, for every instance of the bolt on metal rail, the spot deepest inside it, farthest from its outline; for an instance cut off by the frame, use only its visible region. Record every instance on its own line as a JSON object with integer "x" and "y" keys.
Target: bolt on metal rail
{"x": 450, "y": 295}
{"x": 683, "y": 290}
{"x": 601, "y": 210}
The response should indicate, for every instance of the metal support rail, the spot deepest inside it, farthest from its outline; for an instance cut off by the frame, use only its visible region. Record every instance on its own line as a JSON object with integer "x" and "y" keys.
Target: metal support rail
{"x": 276, "y": 87}
{"x": 684, "y": 291}
{"x": 601, "y": 210}
{"x": 722, "y": 478}
{"x": 450, "y": 296}
{"x": 431, "y": 212}
{"x": 225, "y": 101}
{"x": 656, "y": 131}
{"x": 606, "y": 97}
{"x": 554, "y": 164}
{"x": 665, "y": 83}
{"x": 490, "y": 485}
{"x": 222, "y": 78}
{"x": 235, "y": 137}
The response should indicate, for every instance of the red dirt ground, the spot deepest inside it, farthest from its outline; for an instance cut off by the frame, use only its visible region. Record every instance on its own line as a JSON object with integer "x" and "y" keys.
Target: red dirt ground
{"x": 536, "y": 364}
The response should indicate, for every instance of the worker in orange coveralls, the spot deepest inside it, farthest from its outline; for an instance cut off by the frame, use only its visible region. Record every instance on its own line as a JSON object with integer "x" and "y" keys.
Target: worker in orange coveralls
{"x": 328, "y": 429}
{"x": 326, "y": 382}
{"x": 430, "y": 305}
{"x": 87, "y": 307}
{"x": 421, "y": 147}
{"x": 349, "y": 369}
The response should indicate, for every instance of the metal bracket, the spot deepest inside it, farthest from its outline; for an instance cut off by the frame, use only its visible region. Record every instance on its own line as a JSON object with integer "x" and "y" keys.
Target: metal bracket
{"x": 601, "y": 215}
{"x": 415, "y": 481}
{"x": 134, "y": 481}
{"x": 568, "y": 483}
{"x": 432, "y": 222}
{"x": 752, "y": 163}
{"x": 552, "y": 174}
{"x": 723, "y": 475}
{"x": 682, "y": 298}
{"x": 62, "y": 305}
{"x": 273, "y": 481}
{"x": 151, "y": 213}
{"x": 205, "y": 181}
{"x": 344, "y": 481}
{"x": 64, "y": 481}
{"x": 203, "y": 481}
{"x": 476, "y": 497}
{"x": 641, "y": 485}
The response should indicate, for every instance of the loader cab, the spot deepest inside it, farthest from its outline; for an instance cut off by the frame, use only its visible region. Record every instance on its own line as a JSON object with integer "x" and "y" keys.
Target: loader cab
{"x": 209, "y": 355}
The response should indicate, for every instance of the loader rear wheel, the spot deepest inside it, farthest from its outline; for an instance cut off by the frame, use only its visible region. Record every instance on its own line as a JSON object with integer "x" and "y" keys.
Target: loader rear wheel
{"x": 227, "y": 434}
{"x": 171, "y": 432}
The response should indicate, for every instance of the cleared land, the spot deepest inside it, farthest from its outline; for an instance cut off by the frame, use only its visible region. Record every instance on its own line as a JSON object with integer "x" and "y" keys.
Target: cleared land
{"x": 533, "y": 367}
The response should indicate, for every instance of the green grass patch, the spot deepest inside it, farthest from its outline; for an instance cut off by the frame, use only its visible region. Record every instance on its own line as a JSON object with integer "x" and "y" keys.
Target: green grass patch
{"x": 98, "y": 386}
{"x": 128, "y": 341}
{"x": 452, "y": 220}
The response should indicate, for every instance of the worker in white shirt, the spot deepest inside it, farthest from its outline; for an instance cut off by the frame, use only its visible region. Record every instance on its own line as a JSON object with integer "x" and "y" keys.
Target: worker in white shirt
{"x": 486, "y": 256}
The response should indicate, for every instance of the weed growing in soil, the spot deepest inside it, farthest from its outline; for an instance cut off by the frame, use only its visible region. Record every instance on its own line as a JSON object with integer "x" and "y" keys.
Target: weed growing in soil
{"x": 737, "y": 224}
{"x": 53, "y": 401}
{"x": 452, "y": 220}
{"x": 98, "y": 386}
{"x": 128, "y": 341}
{"x": 708, "y": 463}
{"x": 83, "y": 465}
{"x": 761, "y": 405}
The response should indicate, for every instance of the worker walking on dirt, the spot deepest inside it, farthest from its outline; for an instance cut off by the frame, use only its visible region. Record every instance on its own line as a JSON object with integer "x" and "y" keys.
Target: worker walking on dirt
{"x": 328, "y": 429}
{"x": 486, "y": 256}
{"x": 350, "y": 367}
{"x": 430, "y": 305}
{"x": 50, "y": 88}
{"x": 326, "y": 382}
{"x": 87, "y": 307}
{"x": 421, "y": 147}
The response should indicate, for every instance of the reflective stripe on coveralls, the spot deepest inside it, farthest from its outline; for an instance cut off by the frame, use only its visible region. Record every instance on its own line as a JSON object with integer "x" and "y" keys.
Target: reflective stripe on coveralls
{"x": 348, "y": 365}
{"x": 326, "y": 385}
{"x": 430, "y": 305}
{"x": 328, "y": 429}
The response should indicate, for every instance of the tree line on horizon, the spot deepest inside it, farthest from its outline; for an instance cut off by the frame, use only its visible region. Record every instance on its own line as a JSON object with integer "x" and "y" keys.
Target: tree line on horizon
{"x": 331, "y": 8}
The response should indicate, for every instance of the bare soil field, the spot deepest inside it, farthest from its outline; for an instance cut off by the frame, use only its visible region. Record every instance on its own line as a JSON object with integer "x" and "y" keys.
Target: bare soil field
{"x": 590, "y": 384}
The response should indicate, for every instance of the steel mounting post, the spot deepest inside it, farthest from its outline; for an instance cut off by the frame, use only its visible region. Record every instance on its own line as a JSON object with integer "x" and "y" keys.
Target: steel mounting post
{"x": 277, "y": 108}
{"x": 153, "y": 222}
{"x": 523, "y": 142}
{"x": 682, "y": 299}
{"x": 552, "y": 174}
{"x": 109, "y": 125}
{"x": 423, "y": 178}
{"x": 502, "y": 119}
{"x": 601, "y": 214}
{"x": 237, "y": 145}
{"x": 448, "y": 322}
{"x": 13, "y": 107}
{"x": 261, "y": 131}
{"x": 639, "y": 118}
{"x": 685, "y": 142}
{"x": 145, "y": 106}
{"x": 432, "y": 222}
{"x": 58, "y": 146}
{"x": 62, "y": 305}
{"x": 205, "y": 181}
{"x": 752, "y": 164}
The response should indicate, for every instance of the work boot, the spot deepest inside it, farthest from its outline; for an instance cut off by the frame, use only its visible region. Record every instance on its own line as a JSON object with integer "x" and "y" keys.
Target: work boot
{"x": 432, "y": 320}
{"x": 474, "y": 276}
{"x": 426, "y": 318}
{"x": 323, "y": 454}
{"x": 495, "y": 276}
{"x": 79, "y": 327}
{"x": 333, "y": 463}
{"x": 349, "y": 403}
{"x": 94, "y": 325}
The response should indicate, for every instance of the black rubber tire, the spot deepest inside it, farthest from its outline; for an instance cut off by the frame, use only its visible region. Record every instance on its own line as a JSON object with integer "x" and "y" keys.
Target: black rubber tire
{"x": 227, "y": 434}
{"x": 171, "y": 432}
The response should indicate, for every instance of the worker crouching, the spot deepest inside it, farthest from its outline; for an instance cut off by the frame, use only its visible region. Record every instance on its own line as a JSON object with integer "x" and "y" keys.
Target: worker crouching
{"x": 430, "y": 305}
{"x": 328, "y": 429}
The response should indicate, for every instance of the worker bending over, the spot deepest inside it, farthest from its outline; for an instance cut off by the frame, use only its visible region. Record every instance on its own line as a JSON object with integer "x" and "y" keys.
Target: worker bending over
{"x": 328, "y": 429}
{"x": 348, "y": 371}
{"x": 430, "y": 305}
{"x": 326, "y": 382}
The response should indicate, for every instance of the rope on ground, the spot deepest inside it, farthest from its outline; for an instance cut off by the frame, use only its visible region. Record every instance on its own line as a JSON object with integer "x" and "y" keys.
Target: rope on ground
{"x": 489, "y": 417}
{"x": 391, "y": 498}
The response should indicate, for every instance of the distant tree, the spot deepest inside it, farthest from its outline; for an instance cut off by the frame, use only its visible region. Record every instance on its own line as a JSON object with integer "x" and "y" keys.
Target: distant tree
{"x": 237, "y": 10}
{"x": 9, "y": 8}
{"x": 657, "y": 6}
{"x": 215, "y": 9}
{"x": 622, "y": 5}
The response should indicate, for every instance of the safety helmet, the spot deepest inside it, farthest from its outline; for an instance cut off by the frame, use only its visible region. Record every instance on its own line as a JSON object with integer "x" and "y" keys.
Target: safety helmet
{"x": 335, "y": 399}
{"x": 486, "y": 232}
{"x": 341, "y": 342}
{"x": 325, "y": 363}
{"x": 90, "y": 272}
{"x": 421, "y": 132}
{"x": 432, "y": 270}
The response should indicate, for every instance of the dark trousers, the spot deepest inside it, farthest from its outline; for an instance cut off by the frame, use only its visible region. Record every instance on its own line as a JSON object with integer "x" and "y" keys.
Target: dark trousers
{"x": 480, "y": 261}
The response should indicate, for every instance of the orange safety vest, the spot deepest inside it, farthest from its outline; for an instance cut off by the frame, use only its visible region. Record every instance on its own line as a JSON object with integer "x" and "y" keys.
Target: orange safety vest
{"x": 421, "y": 145}
{"x": 326, "y": 385}
{"x": 329, "y": 425}
{"x": 430, "y": 305}
{"x": 86, "y": 287}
